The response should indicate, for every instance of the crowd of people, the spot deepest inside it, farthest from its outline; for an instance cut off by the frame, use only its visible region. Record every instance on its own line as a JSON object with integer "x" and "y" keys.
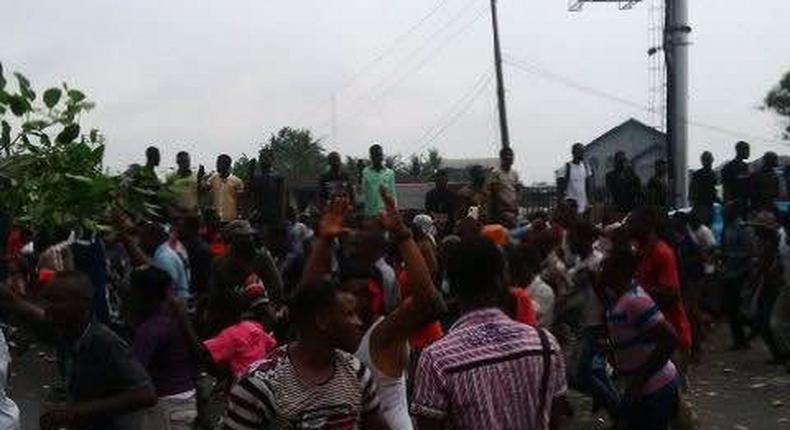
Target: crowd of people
{"x": 230, "y": 309}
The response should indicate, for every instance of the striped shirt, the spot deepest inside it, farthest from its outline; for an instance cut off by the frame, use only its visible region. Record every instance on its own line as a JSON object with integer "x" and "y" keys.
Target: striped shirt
{"x": 629, "y": 322}
{"x": 487, "y": 374}
{"x": 274, "y": 397}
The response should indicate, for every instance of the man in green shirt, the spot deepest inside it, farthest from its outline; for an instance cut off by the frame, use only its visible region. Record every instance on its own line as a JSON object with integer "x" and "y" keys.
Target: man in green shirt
{"x": 374, "y": 177}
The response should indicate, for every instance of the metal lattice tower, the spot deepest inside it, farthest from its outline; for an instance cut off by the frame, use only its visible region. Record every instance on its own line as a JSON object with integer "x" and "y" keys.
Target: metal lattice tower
{"x": 668, "y": 33}
{"x": 657, "y": 70}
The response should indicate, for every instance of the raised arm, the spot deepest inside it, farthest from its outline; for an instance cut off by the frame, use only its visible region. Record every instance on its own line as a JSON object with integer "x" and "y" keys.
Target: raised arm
{"x": 424, "y": 305}
{"x": 330, "y": 227}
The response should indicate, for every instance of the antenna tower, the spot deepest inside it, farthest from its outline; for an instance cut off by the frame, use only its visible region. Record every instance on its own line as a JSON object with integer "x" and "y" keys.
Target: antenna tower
{"x": 657, "y": 68}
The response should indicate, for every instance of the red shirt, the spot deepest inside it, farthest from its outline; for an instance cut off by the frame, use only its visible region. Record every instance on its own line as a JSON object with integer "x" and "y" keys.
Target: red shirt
{"x": 429, "y": 333}
{"x": 659, "y": 270}
{"x": 525, "y": 309}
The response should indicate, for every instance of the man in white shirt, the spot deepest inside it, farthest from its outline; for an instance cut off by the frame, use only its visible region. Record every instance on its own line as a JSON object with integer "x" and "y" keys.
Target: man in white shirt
{"x": 577, "y": 180}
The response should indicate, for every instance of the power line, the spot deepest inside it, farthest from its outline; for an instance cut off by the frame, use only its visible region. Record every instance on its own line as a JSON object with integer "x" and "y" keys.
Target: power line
{"x": 454, "y": 117}
{"x": 414, "y": 55}
{"x": 552, "y": 76}
{"x": 384, "y": 52}
{"x": 443, "y": 119}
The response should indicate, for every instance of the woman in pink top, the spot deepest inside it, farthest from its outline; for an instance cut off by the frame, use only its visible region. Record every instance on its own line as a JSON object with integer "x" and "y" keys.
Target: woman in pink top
{"x": 242, "y": 342}
{"x": 241, "y": 346}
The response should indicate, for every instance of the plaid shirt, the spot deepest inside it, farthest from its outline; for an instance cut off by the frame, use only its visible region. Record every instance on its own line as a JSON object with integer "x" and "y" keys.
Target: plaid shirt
{"x": 486, "y": 374}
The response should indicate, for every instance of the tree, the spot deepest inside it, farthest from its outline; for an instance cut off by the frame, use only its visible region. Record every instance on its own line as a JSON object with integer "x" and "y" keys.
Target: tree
{"x": 418, "y": 167}
{"x": 53, "y": 178}
{"x": 432, "y": 164}
{"x": 298, "y": 156}
{"x": 778, "y": 101}
{"x": 242, "y": 167}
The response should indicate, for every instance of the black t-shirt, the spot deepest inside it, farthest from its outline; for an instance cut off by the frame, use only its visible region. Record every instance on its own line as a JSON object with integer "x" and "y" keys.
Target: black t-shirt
{"x": 624, "y": 189}
{"x": 764, "y": 185}
{"x": 657, "y": 193}
{"x": 102, "y": 365}
{"x": 735, "y": 179}
{"x": 200, "y": 264}
{"x": 268, "y": 198}
{"x": 231, "y": 273}
{"x": 441, "y": 202}
{"x": 702, "y": 190}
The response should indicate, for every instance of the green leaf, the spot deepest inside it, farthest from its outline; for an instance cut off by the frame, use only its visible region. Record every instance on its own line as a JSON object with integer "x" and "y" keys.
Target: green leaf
{"x": 5, "y": 136}
{"x": 76, "y": 96}
{"x": 19, "y": 105}
{"x": 69, "y": 133}
{"x": 2, "y": 109}
{"x": 24, "y": 86}
{"x": 2, "y": 78}
{"x": 23, "y": 81}
{"x": 52, "y": 97}
{"x": 34, "y": 125}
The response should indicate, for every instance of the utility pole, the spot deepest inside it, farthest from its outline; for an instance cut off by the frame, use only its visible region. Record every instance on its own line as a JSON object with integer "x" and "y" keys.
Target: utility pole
{"x": 500, "y": 84}
{"x": 676, "y": 45}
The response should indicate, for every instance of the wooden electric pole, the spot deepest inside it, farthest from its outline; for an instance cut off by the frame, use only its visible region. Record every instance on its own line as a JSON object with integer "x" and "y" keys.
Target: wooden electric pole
{"x": 500, "y": 84}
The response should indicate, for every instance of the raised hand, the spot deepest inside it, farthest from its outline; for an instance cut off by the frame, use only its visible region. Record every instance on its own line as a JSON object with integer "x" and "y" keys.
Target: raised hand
{"x": 333, "y": 220}
{"x": 390, "y": 217}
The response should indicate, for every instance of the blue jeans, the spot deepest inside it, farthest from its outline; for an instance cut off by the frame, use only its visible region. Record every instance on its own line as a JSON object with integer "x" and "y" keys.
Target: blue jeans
{"x": 592, "y": 375}
{"x": 655, "y": 411}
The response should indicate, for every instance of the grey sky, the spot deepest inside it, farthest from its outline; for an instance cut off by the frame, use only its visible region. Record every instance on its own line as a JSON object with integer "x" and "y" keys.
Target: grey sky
{"x": 219, "y": 76}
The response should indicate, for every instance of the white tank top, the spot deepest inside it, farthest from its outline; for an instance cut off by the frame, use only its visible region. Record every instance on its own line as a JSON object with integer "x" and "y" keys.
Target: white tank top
{"x": 392, "y": 391}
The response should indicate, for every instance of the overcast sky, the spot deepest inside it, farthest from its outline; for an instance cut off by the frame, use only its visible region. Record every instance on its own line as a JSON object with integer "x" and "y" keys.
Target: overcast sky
{"x": 220, "y": 76}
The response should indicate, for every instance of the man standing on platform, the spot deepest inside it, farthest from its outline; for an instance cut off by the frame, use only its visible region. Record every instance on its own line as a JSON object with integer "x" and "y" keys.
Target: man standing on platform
{"x": 623, "y": 186}
{"x": 735, "y": 178}
{"x": 225, "y": 190}
{"x": 374, "y": 177}
{"x": 504, "y": 191}
{"x": 702, "y": 190}
{"x": 268, "y": 193}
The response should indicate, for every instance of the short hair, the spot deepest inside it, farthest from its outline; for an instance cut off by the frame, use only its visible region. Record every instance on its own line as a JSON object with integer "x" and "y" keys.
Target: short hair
{"x": 72, "y": 284}
{"x": 224, "y": 157}
{"x": 151, "y": 283}
{"x": 523, "y": 260}
{"x": 441, "y": 173}
{"x": 151, "y": 150}
{"x": 312, "y": 299}
{"x": 537, "y": 214}
{"x": 506, "y": 151}
{"x": 153, "y": 229}
{"x": 621, "y": 256}
{"x": 475, "y": 267}
{"x": 182, "y": 154}
{"x": 376, "y": 147}
{"x": 742, "y": 145}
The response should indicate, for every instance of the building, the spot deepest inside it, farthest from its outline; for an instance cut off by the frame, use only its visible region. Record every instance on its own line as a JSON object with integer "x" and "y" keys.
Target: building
{"x": 642, "y": 145}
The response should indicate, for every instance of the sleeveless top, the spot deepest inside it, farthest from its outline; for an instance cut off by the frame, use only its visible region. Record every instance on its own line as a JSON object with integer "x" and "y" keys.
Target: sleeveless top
{"x": 392, "y": 391}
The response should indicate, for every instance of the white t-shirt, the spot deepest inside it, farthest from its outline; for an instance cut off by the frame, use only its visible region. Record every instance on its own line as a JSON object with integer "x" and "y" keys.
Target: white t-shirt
{"x": 392, "y": 391}
{"x": 576, "y": 188}
{"x": 543, "y": 297}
